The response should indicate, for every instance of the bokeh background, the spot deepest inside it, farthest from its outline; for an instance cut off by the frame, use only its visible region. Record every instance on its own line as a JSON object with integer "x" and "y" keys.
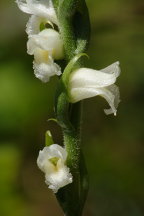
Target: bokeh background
{"x": 113, "y": 146}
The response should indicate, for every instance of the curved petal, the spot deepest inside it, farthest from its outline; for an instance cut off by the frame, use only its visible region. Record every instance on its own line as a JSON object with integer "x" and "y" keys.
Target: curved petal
{"x": 51, "y": 151}
{"x": 111, "y": 94}
{"x": 115, "y": 91}
{"x": 113, "y": 68}
{"x": 89, "y": 78}
{"x": 43, "y": 8}
{"x": 23, "y": 6}
{"x": 33, "y": 25}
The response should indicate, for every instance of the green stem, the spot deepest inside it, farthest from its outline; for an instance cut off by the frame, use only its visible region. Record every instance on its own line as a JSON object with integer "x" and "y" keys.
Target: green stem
{"x": 65, "y": 14}
{"x": 75, "y": 30}
{"x": 74, "y": 25}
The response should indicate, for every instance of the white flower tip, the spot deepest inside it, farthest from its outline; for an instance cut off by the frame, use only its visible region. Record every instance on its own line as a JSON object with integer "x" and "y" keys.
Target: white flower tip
{"x": 51, "y": 161}
{"x": 118, "y": 68}
{"x": 44, "y": 9}
{"x": 110, "y": 111}
{"x": 117, "y": 63}
{"x": 113, "y": 69}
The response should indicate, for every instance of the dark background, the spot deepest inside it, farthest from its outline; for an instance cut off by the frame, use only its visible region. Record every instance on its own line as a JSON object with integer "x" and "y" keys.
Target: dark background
{"x": 113, "y": 146}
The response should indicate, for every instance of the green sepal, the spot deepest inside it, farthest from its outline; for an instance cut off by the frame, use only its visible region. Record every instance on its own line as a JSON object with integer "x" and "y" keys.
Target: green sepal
{"x": 48, "y": 138}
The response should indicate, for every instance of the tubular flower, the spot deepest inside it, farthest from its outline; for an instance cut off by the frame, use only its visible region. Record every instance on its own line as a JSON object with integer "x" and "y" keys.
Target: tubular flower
{"x": 85, "y": 83}
{"x": 42, "y": 8}
{"x": 51, "y": 161}
{"x": 46, "y": 46}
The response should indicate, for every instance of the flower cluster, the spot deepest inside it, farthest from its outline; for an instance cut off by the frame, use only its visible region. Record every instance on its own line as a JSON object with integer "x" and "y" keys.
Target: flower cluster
{"x": 44, "y": 43}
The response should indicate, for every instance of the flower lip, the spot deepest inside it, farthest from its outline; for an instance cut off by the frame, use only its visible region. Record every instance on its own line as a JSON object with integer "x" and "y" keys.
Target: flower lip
{"x": 45, "y": 70}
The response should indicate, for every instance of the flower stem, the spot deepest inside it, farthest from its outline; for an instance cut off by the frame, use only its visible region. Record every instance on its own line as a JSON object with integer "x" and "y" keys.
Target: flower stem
{"x": 75, "y": 30}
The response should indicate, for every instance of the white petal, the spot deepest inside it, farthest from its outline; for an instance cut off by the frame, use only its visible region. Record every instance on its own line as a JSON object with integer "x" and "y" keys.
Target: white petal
{"x": 113, "y": 68}
{"x": 85, "y": 77}
{"x": 43, "y": 8}
{"x": 115, "y": 91}
{"x": 51, "y": 151}
{"x": 44, "y": 71}
{"x": 111, "y": 94}
{"x": 49, "y": 40}
{"x": 33, "y": 25}
{"x": 23, "y": 6}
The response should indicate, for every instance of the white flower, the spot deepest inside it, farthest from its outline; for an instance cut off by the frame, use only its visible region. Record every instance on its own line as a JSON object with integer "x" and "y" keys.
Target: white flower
{"x": 46, "y": 46}
{"x": 41, "y": 8}
{"x": 51, "y": 161}
{"x": 86, "y": 83}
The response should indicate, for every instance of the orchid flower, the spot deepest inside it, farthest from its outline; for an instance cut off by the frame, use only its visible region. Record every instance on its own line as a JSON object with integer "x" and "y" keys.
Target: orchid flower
{"x": 85, "y": 83}
{"x": 51, "y": 161}
{"x": 46, "y": 46}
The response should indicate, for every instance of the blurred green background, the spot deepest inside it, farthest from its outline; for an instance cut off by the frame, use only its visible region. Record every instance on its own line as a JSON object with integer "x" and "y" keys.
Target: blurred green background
{"x": 113, "y": 146}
